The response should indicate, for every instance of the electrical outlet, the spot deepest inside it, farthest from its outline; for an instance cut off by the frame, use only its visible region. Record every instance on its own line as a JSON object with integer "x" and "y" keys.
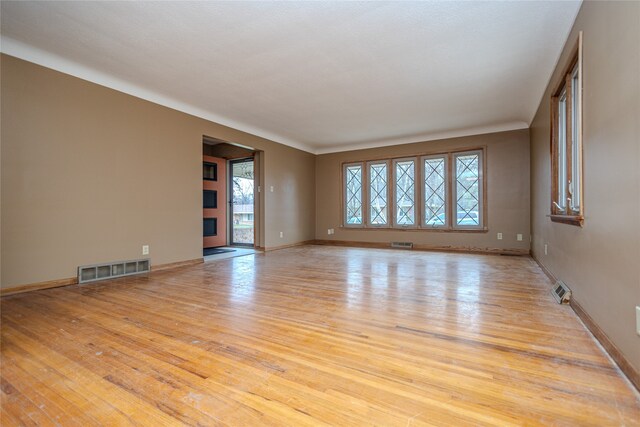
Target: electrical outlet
{"x": 271, "y": 188}
{"x": 499, "y": 236}
{"x": 281, "y": 234}
{"x": 637, "y": 319}
{"x": 145, "y": 249}
{"x": 546, "y": 252}
{"x": 519, "y": 237}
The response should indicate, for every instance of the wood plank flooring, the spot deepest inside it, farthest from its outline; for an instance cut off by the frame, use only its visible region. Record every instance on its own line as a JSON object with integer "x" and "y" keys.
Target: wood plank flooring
{"x": 312, "y": 335}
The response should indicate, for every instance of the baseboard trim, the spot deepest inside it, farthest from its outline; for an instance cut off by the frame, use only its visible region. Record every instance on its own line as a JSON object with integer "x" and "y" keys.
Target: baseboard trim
{"x": 74, "y": 280}
{"x": 178, "y": 264}
{"x": 627, "y": 369}
{"x": 632, "y": 374}
{"x": 418, "y": 247}
{"x": 292, "y": 245}
{"x": 544, "y": 269}
{"x": 39, "y": 286}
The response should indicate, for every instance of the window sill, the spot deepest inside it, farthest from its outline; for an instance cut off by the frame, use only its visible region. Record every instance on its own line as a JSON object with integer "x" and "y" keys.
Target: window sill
{"x": 568, "y": 219}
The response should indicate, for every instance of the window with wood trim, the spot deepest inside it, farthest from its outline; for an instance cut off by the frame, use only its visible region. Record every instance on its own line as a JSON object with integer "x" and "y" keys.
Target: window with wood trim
{"x": 353, "y": 194}
{"x": 443, "y": 191}
{"x": 404, "y": 192}
{"x": 435, "y": 190}
{"x": 566, "y": 143}
{"x": 378, "y": 195}
{"x": 467, "y": 190}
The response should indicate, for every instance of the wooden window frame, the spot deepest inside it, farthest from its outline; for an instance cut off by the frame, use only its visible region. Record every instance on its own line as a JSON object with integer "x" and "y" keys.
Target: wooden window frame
{"x": 572, "y": 142}
{"x": 454, "y": 190}
{"x": 368, "y": 194}
{"x": 418, "y": 192}
{"x": 362, "y": 194}
{"x": 447, "y": 191}
{"x": 416, "y": 206}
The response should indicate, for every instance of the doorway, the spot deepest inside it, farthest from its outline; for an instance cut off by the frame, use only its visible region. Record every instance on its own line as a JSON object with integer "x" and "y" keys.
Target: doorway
{"x": 241, "y": 202}
{"x": 232, "y": 202}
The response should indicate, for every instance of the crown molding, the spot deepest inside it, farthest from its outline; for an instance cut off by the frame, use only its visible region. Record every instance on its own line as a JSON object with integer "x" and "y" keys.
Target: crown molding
{"x": 477, "y": 130}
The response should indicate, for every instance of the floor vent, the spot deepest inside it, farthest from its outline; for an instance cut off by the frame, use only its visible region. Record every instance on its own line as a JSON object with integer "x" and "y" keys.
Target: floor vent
{"x": 402, "y": 245}
{"x": 561, "y": 293}
{"x": 91, "y": 273}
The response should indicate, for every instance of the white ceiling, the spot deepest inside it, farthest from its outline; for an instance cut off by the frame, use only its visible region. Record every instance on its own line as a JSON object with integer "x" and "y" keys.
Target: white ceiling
{"x": 320, "y": 76}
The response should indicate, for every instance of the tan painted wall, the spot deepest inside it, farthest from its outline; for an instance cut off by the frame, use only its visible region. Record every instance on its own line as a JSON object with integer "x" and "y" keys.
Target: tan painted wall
{"x": 90, "y": 174}
{"x": 507, "y": 193}
{"x": 599, "y": 262}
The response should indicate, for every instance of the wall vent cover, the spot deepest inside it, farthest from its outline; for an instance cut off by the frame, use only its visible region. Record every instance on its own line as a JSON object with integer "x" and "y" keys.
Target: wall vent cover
{"x": 561, "y": 292}
{"x": 91, "y": 273}
{"x": 402, "y": 245}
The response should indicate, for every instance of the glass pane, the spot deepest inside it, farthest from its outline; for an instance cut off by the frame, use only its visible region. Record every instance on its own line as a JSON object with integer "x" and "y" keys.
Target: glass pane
{"x": 562, "y": 151}
{"x": 468, "y": 189}
{"x": 209, "y": 171}
{"x": 242, "y": 202}
{"x": 434, "y": 192}
{"x": 405, "y": 184}
{"x": 574, "y": 188}
{"x": 353, "y": 194}
{"x": 378, "y": 194}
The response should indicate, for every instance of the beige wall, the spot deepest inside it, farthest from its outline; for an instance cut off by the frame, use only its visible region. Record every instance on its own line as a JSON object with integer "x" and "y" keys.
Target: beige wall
{"x": 90, "y": 174}
{"x": 599, "y": 262}
{"x": 507, "y": 193}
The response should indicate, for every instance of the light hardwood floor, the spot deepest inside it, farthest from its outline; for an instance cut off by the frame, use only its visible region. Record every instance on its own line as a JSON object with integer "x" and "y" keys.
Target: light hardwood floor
{"x": 309, "y": 336}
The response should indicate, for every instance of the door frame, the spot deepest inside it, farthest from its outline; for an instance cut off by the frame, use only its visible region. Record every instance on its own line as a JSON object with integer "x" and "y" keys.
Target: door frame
{"x": 230, "y": 164}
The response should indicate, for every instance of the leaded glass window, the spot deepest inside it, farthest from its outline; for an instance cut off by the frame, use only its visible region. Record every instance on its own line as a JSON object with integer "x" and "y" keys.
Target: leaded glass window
{"x": 353, "y": 194}
{"x": 467, "y": 190}
{"x": 435, "y": 191}
{"x": 405, "y": 192}
{"x": 378, "y": 194}
{"x": 444, "y": 190}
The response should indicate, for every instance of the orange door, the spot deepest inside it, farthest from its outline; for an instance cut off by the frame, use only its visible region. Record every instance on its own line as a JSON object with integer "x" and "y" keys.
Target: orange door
{"x": 214, "y": 201}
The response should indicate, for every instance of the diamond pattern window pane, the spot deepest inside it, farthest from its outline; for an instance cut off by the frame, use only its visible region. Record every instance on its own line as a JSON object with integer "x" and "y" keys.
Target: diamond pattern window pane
{"x": 468, "y": 190}
{"x": 435, "y": 192}
{"x": 405, "y": 184}
{"x": 353, "y": 194}
{"x": 378, "y": 194}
